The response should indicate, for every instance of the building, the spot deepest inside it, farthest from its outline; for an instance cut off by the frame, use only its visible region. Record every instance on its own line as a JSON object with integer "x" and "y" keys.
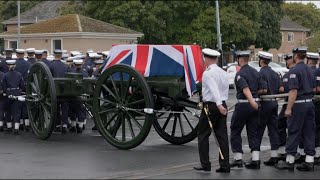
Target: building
{"x": 70, "y": 32}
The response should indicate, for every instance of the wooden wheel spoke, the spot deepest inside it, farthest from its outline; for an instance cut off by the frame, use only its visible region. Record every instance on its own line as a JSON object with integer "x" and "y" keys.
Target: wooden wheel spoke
{"x": 136, "y": 102}
{"x": 107, "y": 110}
{"x": 34, "y": 88}
{"x": 110, "y": 120}
{"x": 110, "y": 92}
{"x": 167, "y": 121}
{"x": 136, "y": 111}
{"x": 121, "y": 85}
{"x": 161, "y": 114}
{"x": 108, "y": 101}
{"x": 126, "y": 90}
{"x": 46, "y": 115}
{"x": 174, "y": 125}
{"x": 123, "y": 123}
{"x": 114, "y": 87}
{"x": 36, "y": 81}
{"x": 181, "y": 125}
{"x": 116, "y": 127}
{"x": 136, "y": 89}
{"x": 134, "y": 120}
{"x": 130, "y": 126}
{"x": 185, "y": 116}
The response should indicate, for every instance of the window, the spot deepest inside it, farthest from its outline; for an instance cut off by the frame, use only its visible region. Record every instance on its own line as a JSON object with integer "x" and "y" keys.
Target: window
{"x": 290, "y": 37}
{"x": 13, "y": 44}
{"x": 56, "y": 44}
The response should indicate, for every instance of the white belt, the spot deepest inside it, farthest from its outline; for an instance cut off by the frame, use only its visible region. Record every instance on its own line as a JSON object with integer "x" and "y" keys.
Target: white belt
{"x": 246, "y": 100}
{"x": 303, "y": 101}
{"x": 272, "y": 99}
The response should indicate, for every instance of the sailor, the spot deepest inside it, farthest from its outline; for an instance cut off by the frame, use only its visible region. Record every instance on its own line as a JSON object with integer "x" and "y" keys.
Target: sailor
{"x": 97, "y": 68}
{"x": 89, "y": 62}
{"x": 105, "y": 57}
{"x": 269, "y": 107}
{"x": 23, "y": 68}
{"x": 70, "y": 64}
{"x": 77, "y": 107}
{"x": 312, "y": 60}
{"x": 300, "y": 113}
{"x": 247, "y": 81}
{"x": 8, "y": 56}
{"x": 215, "y": 89}
{"x": 38, "y": 55}
{"x": 13, "y": 84}
{"x": 30, "y": 52}
{"x": 282, "y": 120}
{"x": 44, "y": 58}
{"x": 58, "y": 70}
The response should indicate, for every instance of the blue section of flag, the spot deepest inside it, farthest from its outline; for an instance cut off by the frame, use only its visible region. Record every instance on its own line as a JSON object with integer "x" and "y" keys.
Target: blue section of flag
{"x": 169, "y": 67}
{"x": 127, "y": 60}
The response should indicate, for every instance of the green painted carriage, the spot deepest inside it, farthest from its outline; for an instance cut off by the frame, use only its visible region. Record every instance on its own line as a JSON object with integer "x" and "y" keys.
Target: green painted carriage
{"x": 123, "y": 102}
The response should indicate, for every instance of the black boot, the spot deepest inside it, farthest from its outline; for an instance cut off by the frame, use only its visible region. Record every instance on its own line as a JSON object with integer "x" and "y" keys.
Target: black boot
{"x": 73, "y": 129}
{"x": 84, "y": 127}
{"x": 57, "y": 129}
{"x": 200, "y": 168}
{"x": 271, "y": 162}
{"x": 300, "y": 159}
{"x": 223, "y": 170}
{"x": 16, "y": 131}
{"x": 21, "y": 127}
{"x": 27, "y": 128}
{"x": 305, "y": 167}
{"x": 1, "y": 128}
{"x": 64, "y": 130}
{"x": 237, "y": 163}
{"x": 317, "y": 161}
{"x": 283, "y": 165}
{"x": 94, "y": 128}
{"x": 9, "y": 130}
{"x": 282, "y": 157}
{"x": 252, "y": 164}
{"x": 79, "y": 130}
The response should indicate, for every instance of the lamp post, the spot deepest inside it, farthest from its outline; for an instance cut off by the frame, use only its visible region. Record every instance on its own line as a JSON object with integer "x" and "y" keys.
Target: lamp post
{"x": 219, "y": 34}
{"x": 18, "y": 43}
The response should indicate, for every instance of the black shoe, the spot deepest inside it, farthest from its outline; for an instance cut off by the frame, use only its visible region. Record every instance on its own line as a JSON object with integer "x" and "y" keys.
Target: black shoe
{"x": 27, "y": 128}
{"x": 79, "y": 130}
{"x": 305, "y": 167}
{"x": 300, "y": 159}
{"x": 73, "y": 129}
{"x": 9, "y": 130}
{"x": 200, "y": 168}
{"x": 64, "y": 130}
{"x": 1, "y": 129}
{"x": 21, "y": 127}
{"x": 84, "y": 127}
{"x": 94, "y": 128}
{"x": 282, "y": 157}
{"x": 283, "y": 165}
{"x": 237, "y": 163}
{"x": 57, "y": 129}
{"x": 271, "y": 162}
{"x": 252, "y": 164}
{"x": 223, "y": 170}
{"x": 317, "y": 161}
{"x": 16, "y": 131}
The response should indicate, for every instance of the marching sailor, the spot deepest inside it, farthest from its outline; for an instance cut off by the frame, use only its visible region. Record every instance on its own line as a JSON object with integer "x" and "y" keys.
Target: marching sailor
{"x": 13, "y": 84}
{"x": 300, "y": 113}
{"x": 215, "y": 89}
{"x": 3, "y": 65}
{"x": 269, "y": 107}
{"x": 31, "y": 53}
{"x": 247, "y": 81}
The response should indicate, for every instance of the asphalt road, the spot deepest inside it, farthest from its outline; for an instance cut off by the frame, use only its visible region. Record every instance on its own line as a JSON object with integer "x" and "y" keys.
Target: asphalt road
{"x": 89, "y": 156}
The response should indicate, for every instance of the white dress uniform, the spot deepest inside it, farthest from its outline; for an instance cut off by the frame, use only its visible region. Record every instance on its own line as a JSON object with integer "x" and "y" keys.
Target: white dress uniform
{"x": 215, "y": 89}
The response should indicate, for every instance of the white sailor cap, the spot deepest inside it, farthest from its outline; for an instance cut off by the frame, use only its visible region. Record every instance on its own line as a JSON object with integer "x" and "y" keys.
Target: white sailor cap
{"x": 75, "y": 53}
{"x": 90, "y": 51}
{"x": 30, "y": 50}
{"x": 106, "y": 53}
{"x": 11, "y": 62}
{"x": 8, "y": 50}
{"x": 65, "y": 55}
{"x": 242, "y": 53}
{"x": 210, "y": 52}
{"x": 92, "y": 54}
{"x": 287, "y": 56}
{"x": 302, "y": 49}
{"x": 20, "y": 51}
{"x": 98, "y": 61}
{"x": 78, "y": 61}
{"x": 70, "y": 59}
{"x": 265, "y": 55}
{"x": 50, "y": 58}
{"x": 312, "y": 56}
{"x": 38, "y": 52}
{"x": 45, "y": 50}
{"x": 64, "y": 51}
{"x": 97, "y": 56}
{"x": 57, "y": 51}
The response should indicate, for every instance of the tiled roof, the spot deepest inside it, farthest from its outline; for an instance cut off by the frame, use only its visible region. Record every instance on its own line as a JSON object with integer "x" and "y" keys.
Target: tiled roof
{"x": 287, "y": 24}
{"x": 43, "y": 11}
{"x": 71, "y": 23}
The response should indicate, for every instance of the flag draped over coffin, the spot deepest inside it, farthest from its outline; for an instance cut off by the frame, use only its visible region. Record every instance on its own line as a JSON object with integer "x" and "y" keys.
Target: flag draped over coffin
{"x": 161, "y": 60}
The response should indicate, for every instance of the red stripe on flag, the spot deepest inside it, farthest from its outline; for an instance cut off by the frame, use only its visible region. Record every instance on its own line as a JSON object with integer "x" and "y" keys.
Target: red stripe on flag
{"x": 119, "y": 57}
{"x": 142, "y": 58}
{"x": 198, "y": 61}
{"x": 179, "y": 48}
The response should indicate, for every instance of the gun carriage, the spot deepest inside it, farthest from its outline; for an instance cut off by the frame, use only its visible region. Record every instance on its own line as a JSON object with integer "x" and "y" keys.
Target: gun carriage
{"x": 124, "y": 100}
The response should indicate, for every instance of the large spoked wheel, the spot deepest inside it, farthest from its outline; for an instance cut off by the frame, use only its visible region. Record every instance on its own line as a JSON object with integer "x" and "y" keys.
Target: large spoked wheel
{"x": 41, "y": 100}
{"x": 180, "y": 123}
{"x": 120, "y": 97}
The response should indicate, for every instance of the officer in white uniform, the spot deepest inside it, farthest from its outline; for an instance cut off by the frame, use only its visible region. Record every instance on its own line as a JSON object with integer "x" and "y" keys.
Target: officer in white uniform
{"x": 215, "y": 89}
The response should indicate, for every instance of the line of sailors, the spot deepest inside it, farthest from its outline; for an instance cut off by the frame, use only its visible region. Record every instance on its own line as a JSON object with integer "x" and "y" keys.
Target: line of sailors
{"x": 13, "y": 77}
{"x": 298, "y": 123}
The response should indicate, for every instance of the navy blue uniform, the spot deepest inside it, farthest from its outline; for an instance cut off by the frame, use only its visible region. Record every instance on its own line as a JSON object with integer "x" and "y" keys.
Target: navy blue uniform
{"x": 269, "y": 109}
{"x": 244, "y": 114}
{"x": 22, "y": 66}
{"x": 58, "y": 70}
{"x": 88, "y": 65}
{"x": 13, "y": 84}
{"x": 302, "y": 122}
{"x": 3, "y": 65}
{"x": 32, "y": 60}
{"x": 47, "y": 62}
{"x": 317, "y": 110}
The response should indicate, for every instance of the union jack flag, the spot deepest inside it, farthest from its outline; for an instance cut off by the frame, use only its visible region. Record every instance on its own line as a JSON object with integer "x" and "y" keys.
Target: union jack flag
{"x": 161, "y": 60}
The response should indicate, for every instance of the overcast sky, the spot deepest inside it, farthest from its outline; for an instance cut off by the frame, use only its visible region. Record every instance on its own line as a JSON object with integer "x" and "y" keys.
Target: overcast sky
{"x": 317, "y": 3}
